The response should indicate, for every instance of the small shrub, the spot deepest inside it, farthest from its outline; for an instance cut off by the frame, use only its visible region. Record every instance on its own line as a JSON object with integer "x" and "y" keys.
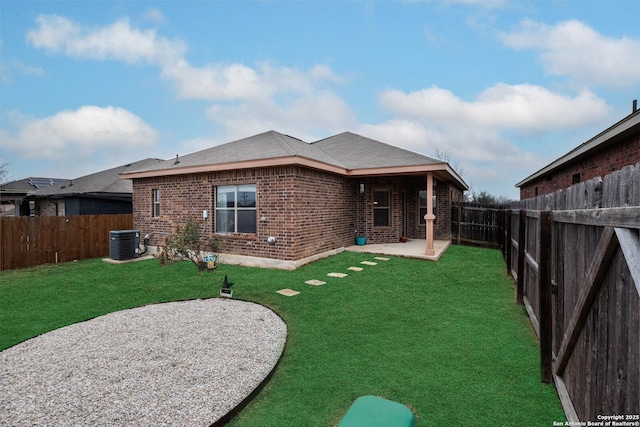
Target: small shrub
{"x": 188, "y": 243}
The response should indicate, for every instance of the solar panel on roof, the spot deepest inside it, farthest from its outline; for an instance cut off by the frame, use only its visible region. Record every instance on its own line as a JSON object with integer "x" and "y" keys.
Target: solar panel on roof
{"x": 44, "y": 182}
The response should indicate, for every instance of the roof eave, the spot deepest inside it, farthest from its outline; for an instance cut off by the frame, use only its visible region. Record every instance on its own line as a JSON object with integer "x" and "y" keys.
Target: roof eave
{"x": 302, "y": 161}
{"x": 443, "y": 168}
{"x": 614, "y": 131}
{"x": 246, "y": 164}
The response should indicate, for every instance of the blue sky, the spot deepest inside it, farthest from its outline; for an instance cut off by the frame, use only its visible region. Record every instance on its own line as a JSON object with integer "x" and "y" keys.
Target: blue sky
{"x": 499, "y": 88}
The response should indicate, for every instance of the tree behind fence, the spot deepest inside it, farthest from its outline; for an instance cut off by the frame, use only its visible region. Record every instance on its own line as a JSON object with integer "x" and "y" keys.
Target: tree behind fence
{"x": 30, "y": 241}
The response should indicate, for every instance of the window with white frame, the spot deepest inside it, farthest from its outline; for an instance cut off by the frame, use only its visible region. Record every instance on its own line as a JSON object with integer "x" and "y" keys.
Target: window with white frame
{"x": 236, "y": 209}
{"x": 156, "y": 202}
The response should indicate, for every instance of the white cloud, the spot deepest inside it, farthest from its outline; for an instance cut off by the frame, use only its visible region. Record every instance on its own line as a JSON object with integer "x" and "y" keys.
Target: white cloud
{"x": 485, "y": 4}
{"x": 216, "y": 82}
{"x": 263, "y": 97}
{"x": 306, "y": 117}
{"x": 521, "y": 108}
{"x": 485, "y": 159}
{"x": 574, "y": 49}
{"x": 8, "y": 67}
{"x": 245, "y": 99}
{"x": 78, "y": 134}
{"x": 223, "y": 82}
{"x": 476, "y": 133}
{"x": 153, "y": 14}
{"x": 118, "y": 41}
{"x": 26, "y": 68}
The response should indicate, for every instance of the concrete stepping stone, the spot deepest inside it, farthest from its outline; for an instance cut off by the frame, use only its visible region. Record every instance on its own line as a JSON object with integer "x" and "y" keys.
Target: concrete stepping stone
{"x": 340, "y": 275}
{"x": 355, "y": 268}
{"x": 287, "y": 292}
{"x": 369, "y": 263}
{"x": 315, "y": 282}
{"x": 381, "y": 258}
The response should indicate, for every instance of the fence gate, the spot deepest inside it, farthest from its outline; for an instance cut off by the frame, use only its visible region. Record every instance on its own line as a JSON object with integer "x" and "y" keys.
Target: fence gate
{"x": 478, "y": 225}
{"x": 596, "y": 336}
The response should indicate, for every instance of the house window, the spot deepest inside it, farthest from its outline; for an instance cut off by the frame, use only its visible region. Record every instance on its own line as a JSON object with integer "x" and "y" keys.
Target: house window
{"x": 575, "y": 178}
{"x": 156, "y": 203}
{"x": 422, "y": 205}
{"x": 236, "y": 209}
{"x": 381, "y": 208}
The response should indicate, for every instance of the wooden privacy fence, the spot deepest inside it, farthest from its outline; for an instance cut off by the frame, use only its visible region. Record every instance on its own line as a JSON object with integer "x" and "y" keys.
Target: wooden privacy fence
{"x": 575, "y": 256}
{"x": 29, "y": 241}
{"x": 478, "y": 225}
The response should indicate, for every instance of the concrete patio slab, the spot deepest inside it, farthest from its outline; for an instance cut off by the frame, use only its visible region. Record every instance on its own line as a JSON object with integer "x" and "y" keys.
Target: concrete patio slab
{"x": 126, "y": 261}
{"x": 414, "y": 248}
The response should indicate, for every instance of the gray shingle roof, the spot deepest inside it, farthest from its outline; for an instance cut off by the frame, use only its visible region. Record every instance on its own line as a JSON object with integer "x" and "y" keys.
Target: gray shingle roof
{"x": 268, "y": 145}
{"x": 346, "y": 150}
{"x": 354, "y": 151}
{"x": 107, "y": 181}
{"x": 16, "y": 190}
{"x": 341, "y": 153}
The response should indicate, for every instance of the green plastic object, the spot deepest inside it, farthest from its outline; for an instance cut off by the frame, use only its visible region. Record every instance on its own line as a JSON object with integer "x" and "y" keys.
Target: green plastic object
{"x": 373, "y": 411}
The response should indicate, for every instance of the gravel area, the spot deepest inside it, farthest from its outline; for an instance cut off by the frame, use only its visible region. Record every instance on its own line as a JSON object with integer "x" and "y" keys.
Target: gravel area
{"x": 175, "y": 364}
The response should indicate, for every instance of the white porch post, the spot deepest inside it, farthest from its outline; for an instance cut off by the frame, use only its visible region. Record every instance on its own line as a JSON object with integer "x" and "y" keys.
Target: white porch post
{"x": 429, "y": 217}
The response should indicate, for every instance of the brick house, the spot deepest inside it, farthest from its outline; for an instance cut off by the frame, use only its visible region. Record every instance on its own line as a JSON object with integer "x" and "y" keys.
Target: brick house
{"x": 312, "y": 198}
{"x": 609, "y": 151}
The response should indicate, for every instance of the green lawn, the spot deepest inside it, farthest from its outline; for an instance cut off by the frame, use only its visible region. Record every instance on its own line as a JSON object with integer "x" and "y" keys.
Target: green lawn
{"x": 445, "y": 338}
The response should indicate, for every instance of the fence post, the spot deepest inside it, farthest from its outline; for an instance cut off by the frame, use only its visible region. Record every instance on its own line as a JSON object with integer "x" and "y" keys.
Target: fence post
{"x": 522, "y": 240}
{"x": 508, "y": 245}
{"x": 459, "y": 222}
{"x": 544, "y": 287}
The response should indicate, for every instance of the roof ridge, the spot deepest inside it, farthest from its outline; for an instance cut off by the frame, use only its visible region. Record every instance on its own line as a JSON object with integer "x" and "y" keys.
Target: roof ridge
{"x": 278, "y": 137}
{"x": 328, "y": 154}
{"x": 395, "y": 147}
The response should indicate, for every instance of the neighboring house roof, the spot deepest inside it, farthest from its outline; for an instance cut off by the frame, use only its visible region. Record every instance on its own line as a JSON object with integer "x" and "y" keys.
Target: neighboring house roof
{"x": 22, "y": 187}
{"x": 615, "y": 133}
{"x": 346, "y": 154}
{"x": 104, "y": 183}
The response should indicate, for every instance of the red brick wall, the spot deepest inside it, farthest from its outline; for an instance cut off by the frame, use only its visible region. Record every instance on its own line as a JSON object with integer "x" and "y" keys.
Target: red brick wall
{"x": 364, "y": 207}
{"x": 405, "y": 200}
{"x": 600, "y": 163}
{"x": 181, "y": 197}
{"x": 307, "y": 211}
{"x": 324, "y": 212}
{"x": 321, "y": 222}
